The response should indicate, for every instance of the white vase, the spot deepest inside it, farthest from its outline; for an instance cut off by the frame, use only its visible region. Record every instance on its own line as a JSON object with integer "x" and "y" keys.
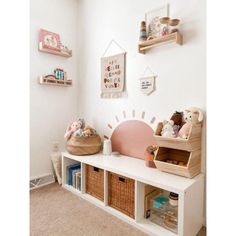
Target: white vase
{"x": 107, "y": 147}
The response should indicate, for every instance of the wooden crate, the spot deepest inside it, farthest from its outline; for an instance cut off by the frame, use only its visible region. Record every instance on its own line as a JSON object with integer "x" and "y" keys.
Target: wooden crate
{"x": 192, "y": 143}
{"x": 121, "y": 193}
{"x": 192, "y": 161}
{"x": 95, "y": 182}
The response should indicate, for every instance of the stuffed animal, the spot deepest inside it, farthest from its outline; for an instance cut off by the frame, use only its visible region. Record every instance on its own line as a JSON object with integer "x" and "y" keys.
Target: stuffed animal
{"x": 74, "y": 128}
{"x": 177, "y": 117}
{"x": 88, "y": 131}
{"x": 79, "y": 131}
{"x": 167, "y": 130}
{"x": 192, "y": 116}
{"x": 176, "y": 129}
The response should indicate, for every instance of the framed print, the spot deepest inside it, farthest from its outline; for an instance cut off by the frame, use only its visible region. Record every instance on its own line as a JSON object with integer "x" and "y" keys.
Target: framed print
{"x": 50, "y": 40}
{"x": 152, "y": 18}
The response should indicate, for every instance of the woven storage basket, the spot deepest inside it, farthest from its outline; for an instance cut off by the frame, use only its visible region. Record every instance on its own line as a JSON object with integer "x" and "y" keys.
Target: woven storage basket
{"x": 121, "y": 193}
{"x": 84, "y": 145}
{"x": 95, "y": 182}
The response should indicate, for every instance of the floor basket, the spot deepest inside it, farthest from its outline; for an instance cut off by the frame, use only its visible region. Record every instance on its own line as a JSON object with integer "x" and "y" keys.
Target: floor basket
{"x": 121, "y": 193}
{"x": 84, "y": 145}
{"x": 95, "y": 182}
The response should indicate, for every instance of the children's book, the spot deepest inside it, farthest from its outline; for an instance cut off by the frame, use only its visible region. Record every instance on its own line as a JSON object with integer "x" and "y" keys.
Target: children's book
{"x": 70, "y": 169}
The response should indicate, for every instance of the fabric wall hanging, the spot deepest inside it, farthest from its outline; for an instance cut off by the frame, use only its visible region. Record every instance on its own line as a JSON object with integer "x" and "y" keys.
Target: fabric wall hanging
{"x": 113, "y": 74}
{"x": 147, "y": 83}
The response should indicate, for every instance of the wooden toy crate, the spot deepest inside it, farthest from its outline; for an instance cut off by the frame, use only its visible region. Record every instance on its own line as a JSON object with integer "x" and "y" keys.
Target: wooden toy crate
{"x": 121, "y": 193}
{"x": 191, "y": 161}
{"x": 95, "y": 182}
{"x": 192, "y": 143}
{"x": 84, "y": 145}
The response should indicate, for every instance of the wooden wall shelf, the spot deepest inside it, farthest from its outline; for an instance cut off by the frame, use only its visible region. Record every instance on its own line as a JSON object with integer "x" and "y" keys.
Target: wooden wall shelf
{"x": 175, "y": 37}
{"x": 58, "y": 53}
{"x": 55, "y": 82}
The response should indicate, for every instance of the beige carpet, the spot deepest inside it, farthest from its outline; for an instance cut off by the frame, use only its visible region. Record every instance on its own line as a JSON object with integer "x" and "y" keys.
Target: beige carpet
{"x": 57, "y": 212}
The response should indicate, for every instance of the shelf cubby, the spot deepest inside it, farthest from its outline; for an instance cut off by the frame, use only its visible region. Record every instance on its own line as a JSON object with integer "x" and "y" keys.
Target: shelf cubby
{"x": 148, "y": 44}
{"x": 191, "y": 161}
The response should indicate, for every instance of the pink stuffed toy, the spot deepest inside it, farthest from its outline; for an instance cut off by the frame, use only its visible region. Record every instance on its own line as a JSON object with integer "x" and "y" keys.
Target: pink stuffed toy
{"x": 192, "y": 116}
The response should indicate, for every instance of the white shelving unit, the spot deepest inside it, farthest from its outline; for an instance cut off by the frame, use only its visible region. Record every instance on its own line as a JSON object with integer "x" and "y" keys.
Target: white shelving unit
{"x": 190, "y": 209}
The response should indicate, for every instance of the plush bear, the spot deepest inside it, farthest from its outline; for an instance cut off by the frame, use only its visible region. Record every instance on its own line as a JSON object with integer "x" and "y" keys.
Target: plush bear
{"x": 167, "y": 130}
{"x": 191, "y": 116}
{"x": 177, "y": 117}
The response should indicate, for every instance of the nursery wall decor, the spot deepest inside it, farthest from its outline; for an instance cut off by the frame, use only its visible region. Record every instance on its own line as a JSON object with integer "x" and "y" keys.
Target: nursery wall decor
{"x": 113, "y": 73}
{"x": 147, "y": 83}
{"x": 152, "y": 19}
{"x": 50, "y": 40}
{"x": 131, "y": 135}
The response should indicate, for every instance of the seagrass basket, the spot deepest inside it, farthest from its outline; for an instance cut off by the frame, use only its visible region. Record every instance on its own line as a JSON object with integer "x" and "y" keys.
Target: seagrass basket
{"x": 121, "y": 193}
{"x": 95, "y": 182}
{"x": 84, "y": 145}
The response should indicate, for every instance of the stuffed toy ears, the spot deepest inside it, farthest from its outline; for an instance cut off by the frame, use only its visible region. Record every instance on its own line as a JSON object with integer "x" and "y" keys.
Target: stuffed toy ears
{"x": 200, "y": 115}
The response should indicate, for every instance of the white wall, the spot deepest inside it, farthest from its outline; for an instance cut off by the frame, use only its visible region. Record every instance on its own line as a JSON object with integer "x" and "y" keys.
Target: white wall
{"x": 51, "y": 108}
{"x": 180, "y": 69}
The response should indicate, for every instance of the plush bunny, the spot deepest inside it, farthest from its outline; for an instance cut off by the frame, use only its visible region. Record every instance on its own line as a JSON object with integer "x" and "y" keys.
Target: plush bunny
{"x": 79, "y": 131}
{"x": 167, "y": 130}
{"x": 74, "y": 128}
{"x": 192, "y": 116}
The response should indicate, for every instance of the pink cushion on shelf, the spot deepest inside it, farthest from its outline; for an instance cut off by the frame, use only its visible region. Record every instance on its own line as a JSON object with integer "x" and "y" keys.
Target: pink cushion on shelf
{"x": 132, "y": 137}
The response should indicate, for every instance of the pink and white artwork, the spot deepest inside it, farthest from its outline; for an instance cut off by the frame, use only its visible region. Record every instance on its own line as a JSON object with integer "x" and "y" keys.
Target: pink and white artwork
{"x": 49, "y": 40}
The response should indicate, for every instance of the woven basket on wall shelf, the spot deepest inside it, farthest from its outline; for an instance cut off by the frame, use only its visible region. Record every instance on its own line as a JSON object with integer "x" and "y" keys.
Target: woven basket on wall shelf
{"x": 84, "y": 145}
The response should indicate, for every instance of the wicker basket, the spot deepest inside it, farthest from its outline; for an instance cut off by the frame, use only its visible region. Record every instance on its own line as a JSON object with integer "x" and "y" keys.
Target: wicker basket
{"x": 121, "y": 193}
{"x": 95, "y": 182}
{"x": 84, "y": 145}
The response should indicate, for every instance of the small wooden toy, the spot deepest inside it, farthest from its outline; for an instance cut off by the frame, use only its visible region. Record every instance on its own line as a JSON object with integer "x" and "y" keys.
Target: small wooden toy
{"x": 143, "y": 32}
{"x": 173, "y": 23}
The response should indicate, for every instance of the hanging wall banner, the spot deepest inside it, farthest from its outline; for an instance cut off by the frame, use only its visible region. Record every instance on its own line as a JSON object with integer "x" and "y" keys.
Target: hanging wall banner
{"x": 112, "y": 76}
{"x": 147, "y": 85}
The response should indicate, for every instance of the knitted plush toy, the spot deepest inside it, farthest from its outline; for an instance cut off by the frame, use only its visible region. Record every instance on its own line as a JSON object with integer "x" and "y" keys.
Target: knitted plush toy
{"x": 75, "y": 128}
{"x": 192, "y": 116}
{"x": 167, "y": 130}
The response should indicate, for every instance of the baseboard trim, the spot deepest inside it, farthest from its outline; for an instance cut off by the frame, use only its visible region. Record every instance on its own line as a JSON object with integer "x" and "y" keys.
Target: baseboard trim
{"x": 40, "y": 181}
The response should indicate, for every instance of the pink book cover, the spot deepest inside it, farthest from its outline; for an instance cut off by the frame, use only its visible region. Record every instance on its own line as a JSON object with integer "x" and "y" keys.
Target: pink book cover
{"x": 50, "y": 40}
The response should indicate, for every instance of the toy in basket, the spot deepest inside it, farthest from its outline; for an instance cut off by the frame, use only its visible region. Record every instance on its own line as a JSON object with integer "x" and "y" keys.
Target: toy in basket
{"x": 82, "y": 139}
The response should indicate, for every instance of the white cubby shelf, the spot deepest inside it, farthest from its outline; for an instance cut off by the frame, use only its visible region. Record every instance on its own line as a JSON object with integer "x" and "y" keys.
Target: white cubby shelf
{"x": 190, "y": 191}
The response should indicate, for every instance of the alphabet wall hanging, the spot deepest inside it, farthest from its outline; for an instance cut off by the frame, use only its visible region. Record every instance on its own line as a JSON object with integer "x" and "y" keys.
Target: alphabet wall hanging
{"x": 113, "y": 73}
{"x": 147, "y": 83}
